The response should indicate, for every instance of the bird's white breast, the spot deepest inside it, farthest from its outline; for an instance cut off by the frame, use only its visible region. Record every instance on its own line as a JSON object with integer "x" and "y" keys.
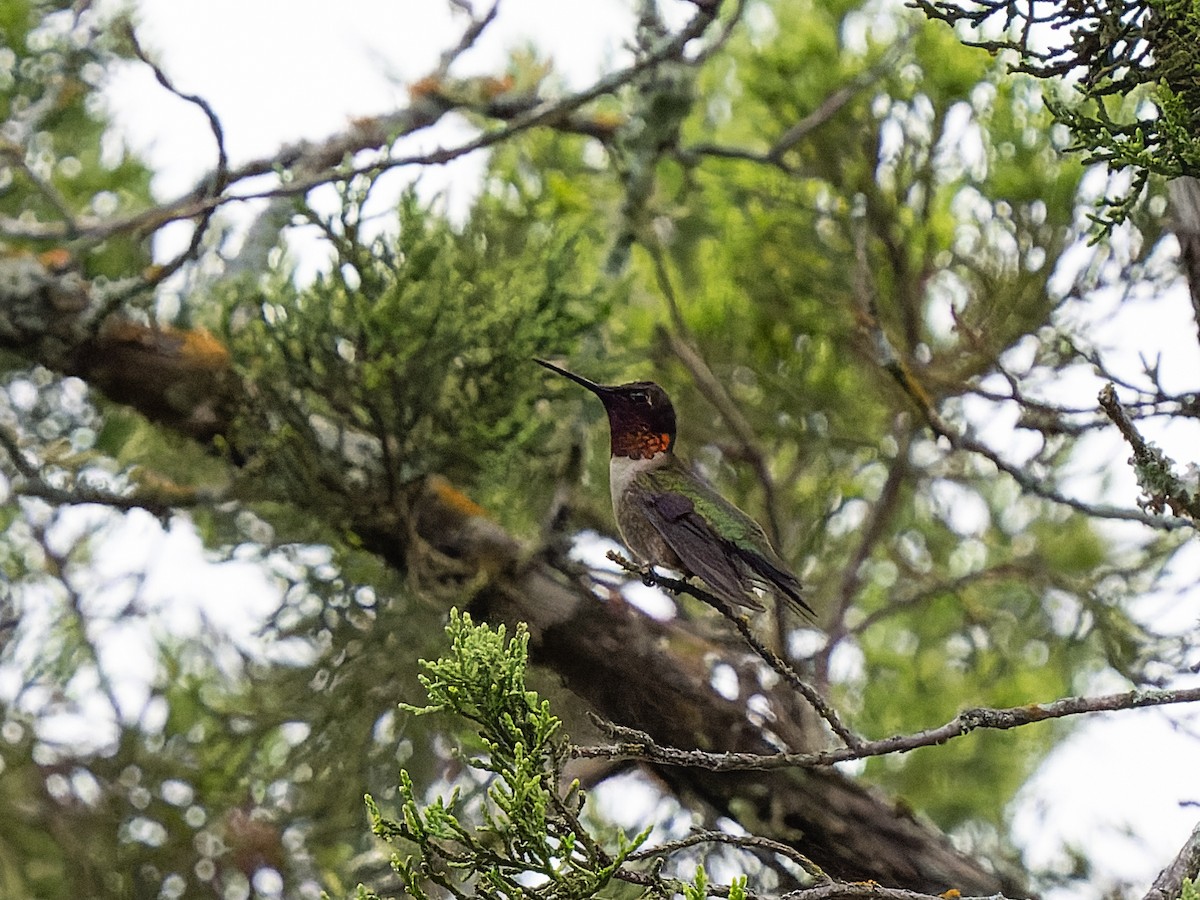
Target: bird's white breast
{"x": 623, "y": 469}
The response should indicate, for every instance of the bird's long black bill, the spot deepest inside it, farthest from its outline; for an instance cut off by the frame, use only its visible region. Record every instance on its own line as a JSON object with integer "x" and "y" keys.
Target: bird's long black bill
{"x": 599, "y": 389}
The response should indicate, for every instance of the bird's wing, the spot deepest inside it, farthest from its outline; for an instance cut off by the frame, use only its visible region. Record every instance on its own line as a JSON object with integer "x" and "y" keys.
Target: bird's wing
{"x": 698, "y": 547}
{"x": 744, "y": 551}
{"x": 780, "y": 578}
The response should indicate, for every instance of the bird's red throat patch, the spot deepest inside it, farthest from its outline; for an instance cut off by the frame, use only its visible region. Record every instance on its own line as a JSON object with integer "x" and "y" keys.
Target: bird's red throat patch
{"x": 641, "y": 444}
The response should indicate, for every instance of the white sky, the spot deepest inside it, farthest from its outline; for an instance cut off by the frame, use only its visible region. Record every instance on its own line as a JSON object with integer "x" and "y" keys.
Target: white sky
{"x": 279, "y": 70}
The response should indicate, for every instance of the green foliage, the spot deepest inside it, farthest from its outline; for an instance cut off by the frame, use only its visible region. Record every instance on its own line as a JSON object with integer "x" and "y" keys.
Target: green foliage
{"x": 51, "y": 158}
{"x": 413, "y": 355}
{"x": 933, "y": 203}
{"x": 1133, "y": 101}
{"x": 172, "y": 801}
{"x": 958, "y": 254}
{"x": 1189, "y": 890}
{"x": 528, "y": 841}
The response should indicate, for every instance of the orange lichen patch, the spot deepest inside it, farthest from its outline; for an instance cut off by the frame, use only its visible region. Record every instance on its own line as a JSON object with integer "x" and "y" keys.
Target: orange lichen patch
{"x": 180, "y": 376}
{"x": 466, "y": 91}
{"x": 191, "y": 347}
{"x": 429, "y": 86}
{"x": 452, "y": 499}
{"x": 492, "y": 87}
{"x": 56, "y": 260}
{"x": 609, "y": 121}
{"x": 952, "y": 894}
{"x": 203, "y": 348}
{"x": 460, "y": 529}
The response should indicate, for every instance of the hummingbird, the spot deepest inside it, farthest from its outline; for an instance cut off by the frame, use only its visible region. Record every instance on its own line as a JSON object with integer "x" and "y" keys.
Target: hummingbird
{"x": 671, "y": 517}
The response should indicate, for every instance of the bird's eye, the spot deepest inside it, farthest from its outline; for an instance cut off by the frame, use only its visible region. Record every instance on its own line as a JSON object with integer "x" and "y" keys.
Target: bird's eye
{"x": 639, "y": 397}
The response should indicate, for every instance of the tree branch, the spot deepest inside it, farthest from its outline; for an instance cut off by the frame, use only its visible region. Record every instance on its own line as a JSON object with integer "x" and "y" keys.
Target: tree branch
{"x": 745, "y": 841}
{"x": 640, "y": 746}
{"x": 862, "y": 890}
{"x": 1155, "y": 473}
{"x": 312, "y": 165}
{"x": 1029, "y": 481}
{"x": 159, "y": 499}
{"x": 772, "y": 659}
{"x": 1186, "y": 864}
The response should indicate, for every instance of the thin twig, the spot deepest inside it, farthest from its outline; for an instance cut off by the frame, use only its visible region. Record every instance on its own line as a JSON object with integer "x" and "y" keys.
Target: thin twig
{"x": 748, "y": 841}
{"x": 862, "y": 890}
{"x": 32, "y": 483}
{"x": 10, "y": 444}
{"x": 1026, "y": 478}
{"x": 470, "y": 35}
{"x": 16, "y": 155}
{"x": 221, "y": 173}
{"x": 772, "y": 659}
{"x": 828, "y": 108}
{"x": 882, "y": 511}
{"x": 58, "y": 565}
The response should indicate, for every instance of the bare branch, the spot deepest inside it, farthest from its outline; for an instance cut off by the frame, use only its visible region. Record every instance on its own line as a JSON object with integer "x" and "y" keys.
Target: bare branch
{"x": 828, "y": 108}
{"x": 882, "y": 510}
{"x": 636, "y": 745}
{"x": 212, "y": 186}
{"x": 158, "y": 500}
{"x": 219, "y": 177}
{"x": 472, "y": 33}
{"x": 15, "y": 154}
{"x": 860, "y": 890}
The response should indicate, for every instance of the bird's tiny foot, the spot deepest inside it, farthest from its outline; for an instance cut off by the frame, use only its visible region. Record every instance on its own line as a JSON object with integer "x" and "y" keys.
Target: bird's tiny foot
{"x": 648, "y": 577}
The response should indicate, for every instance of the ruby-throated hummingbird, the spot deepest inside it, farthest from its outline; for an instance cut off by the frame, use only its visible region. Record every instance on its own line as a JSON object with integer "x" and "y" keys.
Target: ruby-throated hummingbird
{"x": 668, "y": 515}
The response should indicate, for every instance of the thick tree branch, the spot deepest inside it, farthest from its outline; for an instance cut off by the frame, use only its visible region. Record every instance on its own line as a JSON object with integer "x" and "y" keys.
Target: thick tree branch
{"x": 1184, "y": 194}
{"x": 1186, "y": 864}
